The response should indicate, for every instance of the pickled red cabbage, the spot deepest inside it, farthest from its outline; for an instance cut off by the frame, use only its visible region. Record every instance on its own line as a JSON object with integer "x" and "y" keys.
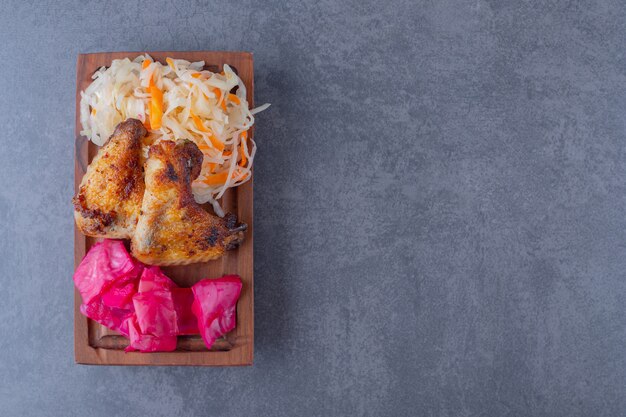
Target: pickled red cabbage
{"x": 107, "y": 279}
{"x": 146, "y": 306}
{"x": 153, "y": 278}
{"x": 186, "y": 320}
{"x": 215, "y": 302}
{"x": 147, "y": 342}
{"x": 154, "y": 326}
{"x": 106, "y": 261}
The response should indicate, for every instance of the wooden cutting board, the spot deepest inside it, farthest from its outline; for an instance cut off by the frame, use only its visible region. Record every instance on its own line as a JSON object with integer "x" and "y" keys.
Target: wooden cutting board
{"x": 97, "y": 345}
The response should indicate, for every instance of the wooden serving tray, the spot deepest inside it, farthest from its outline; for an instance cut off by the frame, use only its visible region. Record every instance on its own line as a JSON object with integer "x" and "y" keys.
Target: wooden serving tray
{"x": 94, "y": 344}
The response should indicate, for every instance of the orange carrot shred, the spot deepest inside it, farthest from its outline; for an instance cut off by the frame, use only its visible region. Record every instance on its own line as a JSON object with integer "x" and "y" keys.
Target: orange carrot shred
{"x": 216, "y": 143}
{"x": 234, "y": 99}
{"x": 145, "y": 64}
{"x": 216, "y": 179}
{"x": 244, "y": 160}
{"x": 156, "y": 107}
{"x": 196, "y": 75}
{"x": 218, "y": 94}
{"x": 196, "y": 120}
{"x": 170, "y": 62}
{"x": 201, "y": 127}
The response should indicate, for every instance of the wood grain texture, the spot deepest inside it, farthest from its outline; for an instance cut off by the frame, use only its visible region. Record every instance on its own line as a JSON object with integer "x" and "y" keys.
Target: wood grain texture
{"x": 97, "y": 345}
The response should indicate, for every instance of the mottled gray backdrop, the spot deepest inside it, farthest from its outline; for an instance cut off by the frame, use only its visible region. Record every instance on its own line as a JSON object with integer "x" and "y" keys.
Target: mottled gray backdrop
{"x": 440, "y": 208}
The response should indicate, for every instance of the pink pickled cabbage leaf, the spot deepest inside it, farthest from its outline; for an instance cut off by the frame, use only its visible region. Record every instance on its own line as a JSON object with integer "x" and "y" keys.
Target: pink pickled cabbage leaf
{"x": 120, "y": 295}
{"x": 155, "y": 313}
{"x": 214, "y": 305}
{"x": 154, "y": 326}
{"x": 147, "y": 342}
{"x": 186, "y": 320}
{"x": 107, "y": 279}
{"x": 106, "y": 261}
{"x": 113, "y": 318}
{"x": 153, "y": 278}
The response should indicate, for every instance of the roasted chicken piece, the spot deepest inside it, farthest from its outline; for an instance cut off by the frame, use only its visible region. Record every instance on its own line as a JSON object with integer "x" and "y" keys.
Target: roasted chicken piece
{"x": 173, "y": 229}
{"x": 109, "y": 198}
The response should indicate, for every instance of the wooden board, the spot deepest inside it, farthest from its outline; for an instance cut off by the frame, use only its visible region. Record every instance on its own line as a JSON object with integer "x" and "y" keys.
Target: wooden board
{"x": 97, "y": 345}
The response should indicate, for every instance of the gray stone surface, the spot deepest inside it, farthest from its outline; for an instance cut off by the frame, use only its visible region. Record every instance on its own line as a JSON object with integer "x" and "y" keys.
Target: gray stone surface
{"x": 440, "y": 208}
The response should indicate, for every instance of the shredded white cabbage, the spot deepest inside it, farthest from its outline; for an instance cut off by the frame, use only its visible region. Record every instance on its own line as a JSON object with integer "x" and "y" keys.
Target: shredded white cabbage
{"x": 196, "y": 104}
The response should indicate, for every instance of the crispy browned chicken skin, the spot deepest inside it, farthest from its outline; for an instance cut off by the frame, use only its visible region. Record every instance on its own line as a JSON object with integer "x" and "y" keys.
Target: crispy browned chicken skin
{"x": 173, "y": 229}
{"x": 109, "y": 198}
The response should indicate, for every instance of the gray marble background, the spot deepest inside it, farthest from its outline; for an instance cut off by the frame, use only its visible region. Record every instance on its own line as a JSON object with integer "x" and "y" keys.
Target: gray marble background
{"x": 440, "y": 208}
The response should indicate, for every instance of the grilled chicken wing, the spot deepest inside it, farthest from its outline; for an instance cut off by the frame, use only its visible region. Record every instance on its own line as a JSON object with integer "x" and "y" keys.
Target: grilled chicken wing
{"x": 173, "y": 229}
{"x": 109, "y": 198}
